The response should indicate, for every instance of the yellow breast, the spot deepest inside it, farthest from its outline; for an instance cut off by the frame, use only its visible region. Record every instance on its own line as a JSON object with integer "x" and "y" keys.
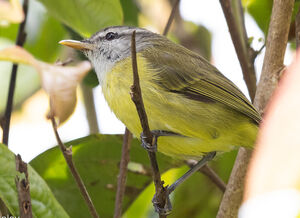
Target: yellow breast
{"x": 195, "y": 120}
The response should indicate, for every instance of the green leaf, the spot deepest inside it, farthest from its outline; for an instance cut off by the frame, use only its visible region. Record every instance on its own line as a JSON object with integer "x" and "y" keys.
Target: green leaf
{"x": 96, "y": 158}
{"x": 44, "y": 44}
{"x": 86, "y": 16}
{"x": 261, "y": 11}
{"x": 130, "y": 11}
{"x": 43, "y": 202}
{"x": 91, "y": 79}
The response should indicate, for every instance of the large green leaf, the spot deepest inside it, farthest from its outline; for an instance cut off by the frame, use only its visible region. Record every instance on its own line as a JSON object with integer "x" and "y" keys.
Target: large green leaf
{"x": 43, "y": 202}
{"x": 86, "y": 16}
{"x": 97, "y": 158}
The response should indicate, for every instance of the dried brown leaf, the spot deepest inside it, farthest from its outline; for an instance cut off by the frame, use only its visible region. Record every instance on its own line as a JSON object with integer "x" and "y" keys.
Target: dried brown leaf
{"x": 59, "y": 82}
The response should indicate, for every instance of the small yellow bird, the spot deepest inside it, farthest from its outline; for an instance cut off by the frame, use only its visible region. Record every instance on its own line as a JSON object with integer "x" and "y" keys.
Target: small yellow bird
{"x": 182, "y": 92}
{"x": 196, "y": 108}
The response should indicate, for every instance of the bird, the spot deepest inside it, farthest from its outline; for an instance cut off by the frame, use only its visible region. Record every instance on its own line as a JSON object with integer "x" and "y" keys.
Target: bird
{"x": 193, "y": 106}
{"x": 182, "y": 92}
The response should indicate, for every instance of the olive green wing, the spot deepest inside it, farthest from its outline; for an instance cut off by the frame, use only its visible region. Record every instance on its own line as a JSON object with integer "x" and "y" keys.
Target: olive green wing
{"x": 179, "y": 70}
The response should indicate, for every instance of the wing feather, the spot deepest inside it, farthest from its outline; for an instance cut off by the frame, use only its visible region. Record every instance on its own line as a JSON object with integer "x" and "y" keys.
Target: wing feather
{"x": 180, "y": 70}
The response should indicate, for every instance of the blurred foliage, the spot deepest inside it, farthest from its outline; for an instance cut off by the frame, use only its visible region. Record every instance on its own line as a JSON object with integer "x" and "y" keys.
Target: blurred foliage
{"x": 130, "y": 11}
{"x": 261, "y": 11}
{"x": 43, "y": 202}
{"x": 43, "y": 33}
{"x": 86, "y": 16}
{"x": 10, "y": 12}
{"x": 196, "y": 38}
{"x": 96, "y": 158}
{"x": 197, "y": 197}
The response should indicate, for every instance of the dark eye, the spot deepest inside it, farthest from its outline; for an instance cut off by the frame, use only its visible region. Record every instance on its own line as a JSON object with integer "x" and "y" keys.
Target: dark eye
{"x": 111, "y": 36}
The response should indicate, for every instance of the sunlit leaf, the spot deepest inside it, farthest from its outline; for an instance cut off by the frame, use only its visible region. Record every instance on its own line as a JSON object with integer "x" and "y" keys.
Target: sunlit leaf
{"x": 43, "y": 202}
{"x": 11, "y": 12}
{"x": 59, "y": 82}
{"x": 86, "y": 16}
{"x": 97, "y": 158}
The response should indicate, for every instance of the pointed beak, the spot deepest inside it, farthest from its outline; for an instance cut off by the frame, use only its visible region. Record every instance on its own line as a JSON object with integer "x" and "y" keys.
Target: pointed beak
{"x": 77, "y": 44}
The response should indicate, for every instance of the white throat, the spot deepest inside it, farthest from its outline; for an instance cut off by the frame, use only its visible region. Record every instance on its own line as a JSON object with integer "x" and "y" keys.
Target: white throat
{"x": 102, "y": 66}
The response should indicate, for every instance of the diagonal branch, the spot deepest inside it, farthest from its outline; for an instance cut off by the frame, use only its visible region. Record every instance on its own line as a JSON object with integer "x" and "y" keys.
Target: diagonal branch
{"x": 233, "y": 13}
{"x": 5, "y": 123}
{"x": 171, "y": 17}
{"x": 123, "y": 173}
{"x": 210, "y": 173}
{"x": 67, "y": 152}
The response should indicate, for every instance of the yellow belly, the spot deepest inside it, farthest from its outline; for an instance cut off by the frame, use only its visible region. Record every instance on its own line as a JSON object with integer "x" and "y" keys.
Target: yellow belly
{"x": 205, "y": 126}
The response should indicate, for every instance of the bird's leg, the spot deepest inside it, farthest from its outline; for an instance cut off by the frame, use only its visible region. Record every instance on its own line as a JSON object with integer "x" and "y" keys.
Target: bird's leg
{"x": 168, "y": 207}
{"x": 153, "y": 148}
{"x": 156, "y": 134}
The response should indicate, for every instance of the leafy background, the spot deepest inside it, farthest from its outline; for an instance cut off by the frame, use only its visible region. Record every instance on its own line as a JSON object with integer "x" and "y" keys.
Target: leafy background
{"x": 97, "y": 156}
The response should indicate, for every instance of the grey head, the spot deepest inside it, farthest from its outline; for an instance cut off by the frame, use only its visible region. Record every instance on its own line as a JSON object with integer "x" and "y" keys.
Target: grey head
{"x": 111, "y": 45}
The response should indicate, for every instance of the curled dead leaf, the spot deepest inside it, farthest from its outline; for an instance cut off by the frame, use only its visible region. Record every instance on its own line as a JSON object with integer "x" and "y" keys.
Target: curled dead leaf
{"x": 59, "y": 82}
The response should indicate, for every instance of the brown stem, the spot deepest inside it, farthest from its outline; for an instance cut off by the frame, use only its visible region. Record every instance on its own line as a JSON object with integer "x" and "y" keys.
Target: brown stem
{"x": 275, "y": 51}
{"x": 67, "y": 152}
{"x": 136, "y": 96}
{"x": 12, "y": 84}
{"x": 297, "y": 28}
{"x": 240, "y": 42}
{"x": 171, "y": 17}
{"x": 23, "y": 189}
{"x": 272, "y": 66}
{"x": 233, "y": 195}
{"x": 123, "y": 173}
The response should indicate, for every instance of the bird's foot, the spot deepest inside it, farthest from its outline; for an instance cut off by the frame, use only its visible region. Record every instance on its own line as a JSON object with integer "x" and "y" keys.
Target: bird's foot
{"x": 167, "y": 208}
{"x": 156, "y": 133}
{"x": 149, "y": 146}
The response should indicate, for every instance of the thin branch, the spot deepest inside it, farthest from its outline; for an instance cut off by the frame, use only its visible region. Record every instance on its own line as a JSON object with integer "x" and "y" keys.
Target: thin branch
{"x": 171, "y": 17}
{"x": 240, "y": 42}
{"x": 136, "y": 96}
{"x": 23, "y": 189}
{"x": 272, "y": 66}
{"x": 123, "y": 173}
{"x": 12, "y": 84}
{"x": 67, "y": 152}
{"x": 210, "y": 173}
